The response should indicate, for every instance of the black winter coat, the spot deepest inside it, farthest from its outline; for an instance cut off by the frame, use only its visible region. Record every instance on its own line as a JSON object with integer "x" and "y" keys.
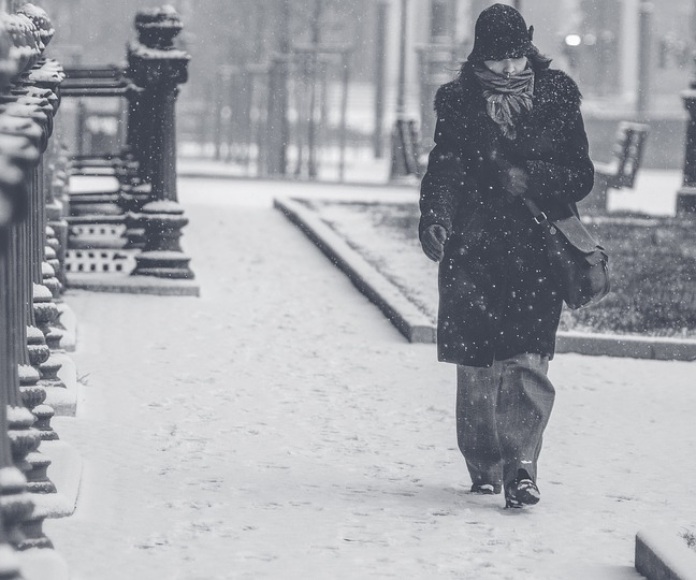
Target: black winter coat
{"x": 497, "y": 294}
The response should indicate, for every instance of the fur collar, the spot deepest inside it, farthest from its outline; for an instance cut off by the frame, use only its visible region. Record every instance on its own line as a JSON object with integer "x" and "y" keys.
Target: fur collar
{"x": 552, "y": 89}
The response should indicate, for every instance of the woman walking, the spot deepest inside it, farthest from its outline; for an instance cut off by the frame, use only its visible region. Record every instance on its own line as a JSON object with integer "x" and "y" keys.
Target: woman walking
{"x": 508, "y": 127}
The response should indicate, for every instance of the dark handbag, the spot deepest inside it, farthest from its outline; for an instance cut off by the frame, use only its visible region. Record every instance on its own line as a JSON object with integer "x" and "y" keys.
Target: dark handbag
{"x": 579, "y": 262}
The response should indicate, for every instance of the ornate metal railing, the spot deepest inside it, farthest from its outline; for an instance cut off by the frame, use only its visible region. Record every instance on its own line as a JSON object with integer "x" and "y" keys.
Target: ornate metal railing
{"x": 35, "y": 215}
{"x": 31, "y": 225}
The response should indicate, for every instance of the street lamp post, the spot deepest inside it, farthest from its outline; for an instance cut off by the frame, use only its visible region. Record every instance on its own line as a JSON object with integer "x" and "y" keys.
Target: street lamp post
{"x": 437, "y": 62}
{"x": 686, "y": 196}
{"x": 278, "y": 128}
{"x": 380, "y": 75}
{"x": 404, "y": 160}
{"x": 401, "y": 89}
{"x": 644, "y": 59}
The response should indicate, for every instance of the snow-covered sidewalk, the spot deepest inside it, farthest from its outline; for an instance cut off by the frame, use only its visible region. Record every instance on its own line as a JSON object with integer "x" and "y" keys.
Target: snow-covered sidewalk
{"x": 279, "y": 427}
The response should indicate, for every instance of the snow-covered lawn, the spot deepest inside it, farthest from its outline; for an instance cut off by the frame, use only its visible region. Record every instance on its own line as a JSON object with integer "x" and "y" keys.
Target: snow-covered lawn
{"x": 652, "y": 264}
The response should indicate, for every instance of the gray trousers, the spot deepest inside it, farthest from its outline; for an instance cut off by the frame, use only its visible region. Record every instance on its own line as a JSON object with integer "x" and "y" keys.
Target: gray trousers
{"x": 502, "y": 412}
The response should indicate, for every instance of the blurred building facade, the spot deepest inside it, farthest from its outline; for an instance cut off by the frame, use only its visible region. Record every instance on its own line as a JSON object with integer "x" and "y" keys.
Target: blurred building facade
{"x": 631, "y": 58}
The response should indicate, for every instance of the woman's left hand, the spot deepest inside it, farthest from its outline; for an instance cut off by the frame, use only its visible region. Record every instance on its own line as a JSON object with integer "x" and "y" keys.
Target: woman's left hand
{"x": 433, "y": 242}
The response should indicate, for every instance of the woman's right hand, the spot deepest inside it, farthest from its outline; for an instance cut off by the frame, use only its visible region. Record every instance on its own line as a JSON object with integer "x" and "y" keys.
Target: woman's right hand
{"x": 433, "y": 242}
{"x": 514, "y": 180}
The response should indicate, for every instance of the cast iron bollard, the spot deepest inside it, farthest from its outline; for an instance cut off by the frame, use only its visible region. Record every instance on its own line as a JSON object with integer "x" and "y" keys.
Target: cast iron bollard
{"x": 43, "y": 81}
{"x": 39, "y": 106}
{"x": 17, "y": 437}
{"x": 28, "y": 283}
{"x": 157, "y": 68}
{"x": 57, "y": 208}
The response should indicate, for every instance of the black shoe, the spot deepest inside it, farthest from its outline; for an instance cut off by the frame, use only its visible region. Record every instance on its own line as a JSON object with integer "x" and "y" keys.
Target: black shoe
{"x": 522, "y": 492}
{"x": 486, "y": 488}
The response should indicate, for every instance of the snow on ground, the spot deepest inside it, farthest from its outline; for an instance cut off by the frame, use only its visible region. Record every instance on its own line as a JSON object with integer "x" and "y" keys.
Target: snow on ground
{"x": 278, "y": 427}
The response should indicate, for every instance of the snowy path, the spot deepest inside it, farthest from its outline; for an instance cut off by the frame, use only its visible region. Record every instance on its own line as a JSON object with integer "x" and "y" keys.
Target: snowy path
{"x": 278, "y": 427}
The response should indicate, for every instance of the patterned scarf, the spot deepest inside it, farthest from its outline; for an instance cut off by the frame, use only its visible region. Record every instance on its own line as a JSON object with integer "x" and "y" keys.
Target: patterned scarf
{"x": 506, "y": 97}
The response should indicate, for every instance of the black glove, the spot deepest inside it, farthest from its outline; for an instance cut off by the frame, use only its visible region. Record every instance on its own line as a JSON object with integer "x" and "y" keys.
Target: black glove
{"x": 433, "y": 242}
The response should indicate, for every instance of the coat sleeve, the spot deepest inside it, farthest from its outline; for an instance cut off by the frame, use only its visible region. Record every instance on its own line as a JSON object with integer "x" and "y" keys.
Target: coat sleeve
{"x": 569, "y": 177}
{"x": 445, "y": 178}
{"x": 567, "y": 180}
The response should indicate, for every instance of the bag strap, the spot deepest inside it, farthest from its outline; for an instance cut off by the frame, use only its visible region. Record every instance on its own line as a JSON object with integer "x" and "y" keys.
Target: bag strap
{"x": 539, "y": 216}
{"x": 572, "y": 228}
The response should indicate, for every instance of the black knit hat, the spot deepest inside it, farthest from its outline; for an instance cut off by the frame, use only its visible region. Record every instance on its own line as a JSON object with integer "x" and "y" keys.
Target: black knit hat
{"x": 501, "y": 33}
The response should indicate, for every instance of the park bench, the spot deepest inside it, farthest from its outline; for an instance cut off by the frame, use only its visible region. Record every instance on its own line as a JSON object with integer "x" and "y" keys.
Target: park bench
{"x": 620, "y": 172}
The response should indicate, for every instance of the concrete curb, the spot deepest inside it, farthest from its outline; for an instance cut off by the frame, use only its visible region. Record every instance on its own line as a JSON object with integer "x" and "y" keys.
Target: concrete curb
{"x": 123, "y": 283}
{"x": 660, "y": 555}
{"x": 410, "y": 321}
{"x": 626, "y": 346}
{"x": 417, "y": 327}
{"x": 190, "y": 173}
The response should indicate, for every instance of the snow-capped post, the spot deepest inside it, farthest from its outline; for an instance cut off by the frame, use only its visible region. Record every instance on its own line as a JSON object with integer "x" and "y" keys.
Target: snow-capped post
{"x": 43, "y": 80}
{"x": 27, "y": 114}
{"x": 38, "y": 106}
{"x": 35, "y": 106}
{"x": 57, "y": 214}
{"x": 157, "y": 68}
{"x": 38, "y": 86}
{"x": 17, "y": 437}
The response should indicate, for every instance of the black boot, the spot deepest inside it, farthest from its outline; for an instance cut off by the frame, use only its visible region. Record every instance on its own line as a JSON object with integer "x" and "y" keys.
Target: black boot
{"x": 522, "y": 491}
{"x": 486, "y": 488}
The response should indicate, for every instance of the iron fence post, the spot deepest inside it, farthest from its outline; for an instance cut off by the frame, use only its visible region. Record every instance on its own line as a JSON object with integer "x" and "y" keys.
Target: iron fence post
{"x": 157, "y": 67}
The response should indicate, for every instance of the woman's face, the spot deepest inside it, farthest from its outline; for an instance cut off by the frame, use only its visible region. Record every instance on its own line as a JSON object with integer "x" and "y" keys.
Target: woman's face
{"x": 508, "y": 66}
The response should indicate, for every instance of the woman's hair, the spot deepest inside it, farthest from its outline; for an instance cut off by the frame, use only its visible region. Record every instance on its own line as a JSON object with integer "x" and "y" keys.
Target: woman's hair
{"x": 538, "y": 61}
